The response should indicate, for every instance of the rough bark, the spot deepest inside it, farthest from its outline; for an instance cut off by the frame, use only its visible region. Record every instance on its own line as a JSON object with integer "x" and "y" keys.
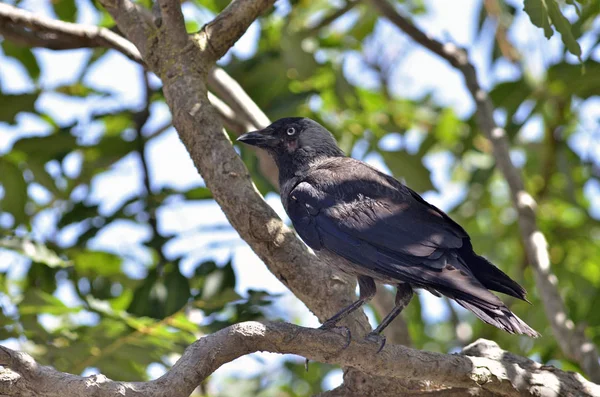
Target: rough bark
{"x": 483, "y": 367}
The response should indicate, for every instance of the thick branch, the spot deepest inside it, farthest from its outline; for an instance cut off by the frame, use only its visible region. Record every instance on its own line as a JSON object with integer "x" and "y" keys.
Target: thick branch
{"x": 571, "y": 338}
{"x": 223, "y": 31}
{"x": 489, "y": 367}
{"x": 38, "y": 31}
{"x": 135, "y": 22}
{"x": 172, "y": 18}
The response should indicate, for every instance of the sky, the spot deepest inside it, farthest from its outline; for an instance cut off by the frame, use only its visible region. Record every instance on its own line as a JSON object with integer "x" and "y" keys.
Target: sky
{"x": 171, "y": 166}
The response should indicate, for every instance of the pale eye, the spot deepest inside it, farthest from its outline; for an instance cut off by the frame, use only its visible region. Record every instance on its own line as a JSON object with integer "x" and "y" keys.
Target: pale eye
{"x": 291, "y": 131}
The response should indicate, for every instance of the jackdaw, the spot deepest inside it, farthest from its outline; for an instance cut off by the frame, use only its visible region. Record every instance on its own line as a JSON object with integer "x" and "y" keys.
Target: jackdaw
{"x": 365, "y": 223}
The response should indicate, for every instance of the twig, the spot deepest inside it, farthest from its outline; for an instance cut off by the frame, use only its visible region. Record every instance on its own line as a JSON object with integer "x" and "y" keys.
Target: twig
{"x": 229, "y": 90}
{"x": 140, "y": 120}
{"x": 327, "y": 20}
{"x": 570, "y": 337}
{"x": 38, "y": 31}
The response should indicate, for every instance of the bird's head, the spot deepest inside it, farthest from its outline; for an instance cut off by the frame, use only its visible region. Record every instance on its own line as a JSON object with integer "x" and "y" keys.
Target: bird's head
{"x": 294, "y": 138}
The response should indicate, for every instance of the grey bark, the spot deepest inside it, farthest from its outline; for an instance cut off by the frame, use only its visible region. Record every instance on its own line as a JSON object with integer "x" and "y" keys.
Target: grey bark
{"x": 483, "y": 368}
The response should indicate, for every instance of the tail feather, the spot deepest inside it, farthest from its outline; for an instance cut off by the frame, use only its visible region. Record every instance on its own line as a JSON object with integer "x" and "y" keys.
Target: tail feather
{"x": 490, "y": 276}
{"x": 500, "y": 317}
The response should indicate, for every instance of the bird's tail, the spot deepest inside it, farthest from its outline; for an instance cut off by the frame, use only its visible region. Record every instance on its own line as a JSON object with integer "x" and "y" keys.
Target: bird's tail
{"x": 500, "y": 317}
{"x": 490, "y": 276}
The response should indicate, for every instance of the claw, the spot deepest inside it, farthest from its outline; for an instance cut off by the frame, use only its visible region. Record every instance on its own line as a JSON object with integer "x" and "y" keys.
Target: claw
{"x": 331, "y": 327}
{"x": 343, "y": 330}
{"x": 377, "y": 338}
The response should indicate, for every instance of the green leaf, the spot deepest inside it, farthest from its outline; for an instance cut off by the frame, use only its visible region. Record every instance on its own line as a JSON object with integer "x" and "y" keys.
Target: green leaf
{"x": 510, "y": 95}
{"x": 15, "y": 191}
{"x": 365, "y": 24}
{"x": 447, "y": 127}
{"x": 37, "y": 252}
{"x": 96, "y": 263}
{"x": 543, "y": 13}
{"x": 192, "y": 26}
{"x": 298, "y": 63}
{"x": 23, "y": 55}
{"x": 46, "y": 148}
{"x": 178, "y": 290}
{"x": 65, "y": 10}
{"x": 38, "y": 302}
{"x": 145, "y": 302}
{"x": 116, "y": 123}
{"x": 410, "y": 168}
{"x": 11, "y": 105}
{"x": 79, "y": 212}
{"x": 571, "y": 79}
{"x": 160, "y": 296}
{"x": 538, "y": 13}
{"x": 41, "y": 277}
{"x": 77, "y": 90}
{"x": 42, "y": 176}
{"x": 198, "y": 193}
{"x": 563, "y": 26}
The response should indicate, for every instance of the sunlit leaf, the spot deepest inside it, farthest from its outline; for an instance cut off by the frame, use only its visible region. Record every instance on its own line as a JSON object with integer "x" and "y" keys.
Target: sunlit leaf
{"x": 65, "y": 10}
{"x": 11, "y": 105}
{"x": 15, "y": 191}
{"x": 42, "y": 149}
{"x": 35, "y": 251}
{"x": 409, "y": 168}
{"x": 543, "y": 13}
{"x": 96, "y": 263}
{"x": 23, "y": 55}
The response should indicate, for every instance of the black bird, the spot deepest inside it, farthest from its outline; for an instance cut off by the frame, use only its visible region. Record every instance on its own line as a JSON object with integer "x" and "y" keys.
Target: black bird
{"x": 370, "y": 225}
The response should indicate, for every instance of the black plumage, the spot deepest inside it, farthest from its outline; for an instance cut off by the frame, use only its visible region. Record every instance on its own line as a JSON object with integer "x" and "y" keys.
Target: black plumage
{"x": 368, "y": 224}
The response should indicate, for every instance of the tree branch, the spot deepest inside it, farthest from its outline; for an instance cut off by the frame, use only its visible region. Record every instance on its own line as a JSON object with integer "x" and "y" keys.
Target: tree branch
{"x": 327, "y": 20}
{"x": 223, "y": 31}
{"x": 486, "y": 366}
{"x": 248, "y": 116}
{"x": 38, "y": 31}
{"x": 172, "y": 18}
{"x": 571, "y": 338}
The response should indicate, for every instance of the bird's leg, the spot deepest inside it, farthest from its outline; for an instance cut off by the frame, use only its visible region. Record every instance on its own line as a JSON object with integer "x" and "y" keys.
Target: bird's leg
{"x": 367, "y": 290}
{"x": 404, "y": 294}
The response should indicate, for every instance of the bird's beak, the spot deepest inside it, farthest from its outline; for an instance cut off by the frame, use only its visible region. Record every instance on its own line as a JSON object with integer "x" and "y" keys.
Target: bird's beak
{"x": 260, "y": 138}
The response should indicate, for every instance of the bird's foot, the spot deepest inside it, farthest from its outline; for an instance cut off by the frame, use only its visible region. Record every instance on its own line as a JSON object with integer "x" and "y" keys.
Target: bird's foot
{"x": 377, "y": 338}
{"x": 338, "y": 329}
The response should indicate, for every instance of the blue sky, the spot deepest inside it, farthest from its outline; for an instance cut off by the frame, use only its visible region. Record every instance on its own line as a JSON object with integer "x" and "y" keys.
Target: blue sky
{"x": 170, "y": 164}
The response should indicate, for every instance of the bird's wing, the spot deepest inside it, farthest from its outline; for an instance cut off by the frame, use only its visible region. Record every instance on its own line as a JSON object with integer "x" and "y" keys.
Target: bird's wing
{"x": 373, "y": 220}
{"x": 352, "y": 200}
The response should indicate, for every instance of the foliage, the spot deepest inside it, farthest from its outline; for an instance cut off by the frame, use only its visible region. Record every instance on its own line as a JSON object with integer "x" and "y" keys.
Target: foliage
{"x": 80, "y": 305}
